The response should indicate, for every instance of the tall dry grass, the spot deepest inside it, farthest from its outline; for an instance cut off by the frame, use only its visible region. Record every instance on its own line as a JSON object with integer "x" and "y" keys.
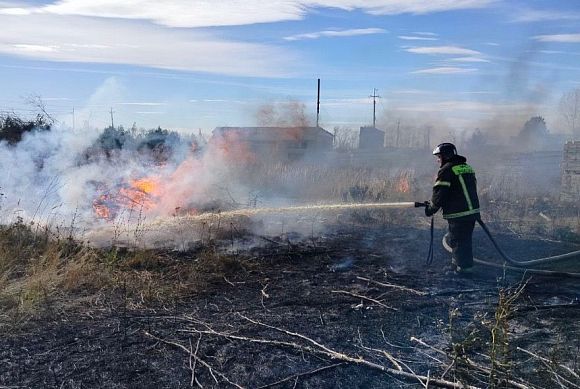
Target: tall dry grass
{"x": 36, "y": 265}
{"x": 336, "y": 184}
{"x": 43, "y": 273}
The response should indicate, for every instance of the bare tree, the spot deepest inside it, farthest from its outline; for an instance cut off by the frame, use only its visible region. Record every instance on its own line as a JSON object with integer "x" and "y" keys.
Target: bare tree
{"x": 345, "y": 139}
{"x": 43, "y": 115}
{"x": 570, "y": 110}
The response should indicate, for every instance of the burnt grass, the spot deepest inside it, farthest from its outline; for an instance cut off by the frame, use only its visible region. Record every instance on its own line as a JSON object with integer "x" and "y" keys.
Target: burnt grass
{"x": 345, "y": 291}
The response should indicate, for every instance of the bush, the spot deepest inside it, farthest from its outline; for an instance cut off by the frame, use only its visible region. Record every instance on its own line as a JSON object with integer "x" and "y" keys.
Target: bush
{"x": 13, "y": 128}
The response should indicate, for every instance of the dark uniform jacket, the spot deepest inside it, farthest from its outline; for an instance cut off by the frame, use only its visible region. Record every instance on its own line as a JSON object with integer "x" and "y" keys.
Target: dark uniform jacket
{"x": 456, "y": 190}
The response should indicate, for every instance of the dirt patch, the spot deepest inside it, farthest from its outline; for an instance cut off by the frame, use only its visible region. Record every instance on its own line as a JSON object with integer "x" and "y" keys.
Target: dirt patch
{"x": 291, "y": 312}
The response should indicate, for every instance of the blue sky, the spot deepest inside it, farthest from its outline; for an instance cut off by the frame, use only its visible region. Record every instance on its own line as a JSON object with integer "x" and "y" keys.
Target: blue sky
{"x": 184, "y": 64}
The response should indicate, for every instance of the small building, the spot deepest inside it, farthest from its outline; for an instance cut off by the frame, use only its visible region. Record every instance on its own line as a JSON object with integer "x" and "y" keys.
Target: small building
{"x": 570, "y": 189}
{"x": 277, "y": 143}
{"x": 371, "y": 138}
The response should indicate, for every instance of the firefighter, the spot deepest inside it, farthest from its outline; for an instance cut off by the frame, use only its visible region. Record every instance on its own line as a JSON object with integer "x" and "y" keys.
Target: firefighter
{"x": 455, "y": 192}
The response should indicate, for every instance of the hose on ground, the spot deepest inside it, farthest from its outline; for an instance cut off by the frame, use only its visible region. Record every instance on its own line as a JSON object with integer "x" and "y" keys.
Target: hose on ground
{"x": 533, "y": 262}
{"x": 521, "y": 265}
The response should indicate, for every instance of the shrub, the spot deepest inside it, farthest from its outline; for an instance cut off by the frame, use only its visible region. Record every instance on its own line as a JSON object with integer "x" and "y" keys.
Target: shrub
{"x": 13, "y": 128}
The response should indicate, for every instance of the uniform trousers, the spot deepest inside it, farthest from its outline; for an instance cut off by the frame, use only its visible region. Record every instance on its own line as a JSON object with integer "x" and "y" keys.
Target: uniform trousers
{"x": 460, "y": 240}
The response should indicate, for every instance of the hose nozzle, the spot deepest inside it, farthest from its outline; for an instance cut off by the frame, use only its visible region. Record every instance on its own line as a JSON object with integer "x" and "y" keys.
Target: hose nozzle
{"x": 421, "y": 204}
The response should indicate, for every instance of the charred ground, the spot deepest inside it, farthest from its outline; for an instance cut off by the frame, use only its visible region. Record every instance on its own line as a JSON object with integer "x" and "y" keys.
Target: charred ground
{"x": 349, "y": 309}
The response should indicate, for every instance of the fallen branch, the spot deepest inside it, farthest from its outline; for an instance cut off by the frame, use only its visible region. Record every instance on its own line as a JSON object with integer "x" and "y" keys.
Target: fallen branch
{"x": 389, "y": 285}
{"x": 204, "y": 363}
{"x": 391, "y": 359}
{"x": 228, "y": 281}
{"x": 387, "y": 355}
{"x": 364, "y": 298}
{"x": 298, "y": 375}
{"x": 324, "y": 350}
{"x": 194, "y": 364}
{"x": 469, "y": 362}
{"x": 547, "y": 362}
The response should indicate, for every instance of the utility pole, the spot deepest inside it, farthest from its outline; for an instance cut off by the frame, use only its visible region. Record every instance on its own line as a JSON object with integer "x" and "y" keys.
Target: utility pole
{"x": 112, "y": 122}
{"x": 318, "y": 104}
{"x": 374, "y": 96}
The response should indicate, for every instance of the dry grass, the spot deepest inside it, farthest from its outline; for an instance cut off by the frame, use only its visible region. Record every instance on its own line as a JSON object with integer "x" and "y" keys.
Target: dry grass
{"x": 37, "y": 266}
{"x": 40, "y": 272}
{"x": 329, "y": 183}
{"x": 508, "y": 200}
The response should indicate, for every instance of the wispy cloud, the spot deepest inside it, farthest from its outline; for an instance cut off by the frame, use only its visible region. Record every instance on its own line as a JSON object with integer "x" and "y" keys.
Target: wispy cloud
{"x": 150, "y": 104}
{"x": 412, "y": 92}
{"x": 469, "y": 59}
{"x": 393, "y": 7}
{"x": 16, "y": 11}
{"x": 226, "y": 101}
{"x": 417, "y": 38}
{"x": 551, "y": 51}
{"x": 445, "y": 70}
{"x": 99, "y": 40}
{"x": 479, "y": 92}
{"x": 562, "y": 38}
{"x": 558, "y": 52}
{"x": 445, "y": 50}
{"x": 336, "y": 33}
{"x": 425, "y": 33}
{"x": 534, "y": 15}
{"x": 27, "y": 48}
{"x": 56, "y": 99}
{"x": 186, "y": 13}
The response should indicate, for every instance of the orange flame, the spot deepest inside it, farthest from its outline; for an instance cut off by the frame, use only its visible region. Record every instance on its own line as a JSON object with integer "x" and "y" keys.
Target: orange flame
{"x": 100, "y": 208}
{"x": 403, "y": 184}
{"x": 140, "y": 193}
{"x": 146, "y": 185}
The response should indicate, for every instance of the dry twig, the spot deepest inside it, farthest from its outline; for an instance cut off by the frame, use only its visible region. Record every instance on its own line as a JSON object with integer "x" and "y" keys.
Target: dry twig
{"x": 364, "y": 298}
{"x": 204, "y": 363}
{"x": 298, "y": 375}
{"x": 194, "y": 364}
{"x": 389, "y": 285}
{"x": 557, "y": 376}
{"x": 324, "y": 350}
{"x": 469, "y": 362}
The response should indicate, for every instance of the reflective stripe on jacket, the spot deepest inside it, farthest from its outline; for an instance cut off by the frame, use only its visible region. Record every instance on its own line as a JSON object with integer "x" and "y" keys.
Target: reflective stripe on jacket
{"x": 455, "y": 189}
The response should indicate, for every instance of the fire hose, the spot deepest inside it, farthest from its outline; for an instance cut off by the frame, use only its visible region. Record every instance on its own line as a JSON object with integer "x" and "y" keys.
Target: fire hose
{"x": 515, "y": 265}
{"x": 522, "y": 266}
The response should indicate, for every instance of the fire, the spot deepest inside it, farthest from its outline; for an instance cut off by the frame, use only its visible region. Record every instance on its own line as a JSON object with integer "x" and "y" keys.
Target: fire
{"x": 403, "y": 184}
{"x": 146, "y": 185}
{"x": 180, "y": 189}
{"x": 100, "y": 207}
{"x": 141, "y": 194}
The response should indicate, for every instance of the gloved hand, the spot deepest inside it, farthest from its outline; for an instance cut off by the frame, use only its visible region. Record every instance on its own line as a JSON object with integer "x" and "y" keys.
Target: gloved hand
{"x": 430, "y": 210}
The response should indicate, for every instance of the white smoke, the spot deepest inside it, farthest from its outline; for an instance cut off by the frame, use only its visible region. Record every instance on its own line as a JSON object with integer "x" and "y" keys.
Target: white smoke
{"x": 54, "y": 177}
